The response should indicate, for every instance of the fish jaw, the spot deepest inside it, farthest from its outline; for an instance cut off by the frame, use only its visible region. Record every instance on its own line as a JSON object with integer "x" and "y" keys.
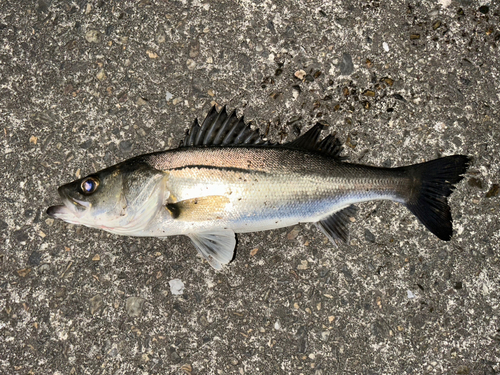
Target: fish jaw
{"x": 72, "y": 210}
{"x": 64, "y": 213}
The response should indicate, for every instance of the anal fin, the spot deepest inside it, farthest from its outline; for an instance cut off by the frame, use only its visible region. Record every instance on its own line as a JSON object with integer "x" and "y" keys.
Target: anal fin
{"x": 335, "y": 226}
{"x": 216, "y": 246}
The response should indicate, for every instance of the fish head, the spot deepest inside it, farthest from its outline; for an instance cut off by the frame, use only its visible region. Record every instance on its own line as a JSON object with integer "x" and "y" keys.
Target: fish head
{"x": 120, "y": 199}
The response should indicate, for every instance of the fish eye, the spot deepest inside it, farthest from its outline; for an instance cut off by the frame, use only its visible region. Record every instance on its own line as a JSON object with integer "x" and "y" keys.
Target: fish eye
{"x": 89, "y": 185}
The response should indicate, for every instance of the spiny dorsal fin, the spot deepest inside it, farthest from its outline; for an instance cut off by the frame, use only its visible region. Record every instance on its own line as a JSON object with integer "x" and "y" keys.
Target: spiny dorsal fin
{"x": 191, "y": 136}
{"x": 221, "y": 129}
{"x": 330, "y": 145}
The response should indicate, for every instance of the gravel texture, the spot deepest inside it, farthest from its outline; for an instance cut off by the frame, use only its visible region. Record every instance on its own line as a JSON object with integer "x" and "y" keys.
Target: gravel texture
{"x": 86, "y": 84}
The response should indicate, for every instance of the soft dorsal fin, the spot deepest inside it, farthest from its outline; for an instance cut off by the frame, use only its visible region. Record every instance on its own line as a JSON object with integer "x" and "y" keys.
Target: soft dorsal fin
{"x": 335, "y": 226}
{"x": 216, "y": 246}
{"x": 330, "y": 145}
{"x": 221, "y": 129}
{"x": 308, "y": 140}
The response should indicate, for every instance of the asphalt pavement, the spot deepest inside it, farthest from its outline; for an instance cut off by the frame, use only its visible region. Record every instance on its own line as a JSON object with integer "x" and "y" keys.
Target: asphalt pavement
{"x": 87, "y": 84}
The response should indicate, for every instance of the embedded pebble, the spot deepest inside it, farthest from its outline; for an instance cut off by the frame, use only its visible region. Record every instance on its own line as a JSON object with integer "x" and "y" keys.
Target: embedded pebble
{"x": 475, "y": 182}
{"x": 35, "y": 258}
{"x": 346, "y": 66}
{"x": 493, "y": 192}
{"x": 440, "y": 126}
{"x": 126, "y": 146}
{"x": 24, "y": 272}
{"x": 93, "y": 36}
{"x": 96, "y": 304}
{"x": 152, "y": 54}
{"x": 191, "y": 64}
{"x": 176, "y": 287}
{"x": 101, "y": 76}
{"x": 194, "y": 49}
{"x": 300, "y": 74}
{"x": 369, "y": 236}
{"x": 304, "y": 265}
{"x": 133, "y": 306}
{"x": 233, "y": 361}
{"x": 160, "y": 38}
{"x": 4, "y": 225}
{"x": 277, "y": 325}
{"x": 141, "y": 101}
{"x": 293, "y": 233}
{"x": 484, "y": 9}
{"x": 86, "y": 144}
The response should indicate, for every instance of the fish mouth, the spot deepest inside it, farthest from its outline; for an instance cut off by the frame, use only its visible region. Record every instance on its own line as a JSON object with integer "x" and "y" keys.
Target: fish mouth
{"x": 70, "y": 211}
{"x": 58, "y": 211}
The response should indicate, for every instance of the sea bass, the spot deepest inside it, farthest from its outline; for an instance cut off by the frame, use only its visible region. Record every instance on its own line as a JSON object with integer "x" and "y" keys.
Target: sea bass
{"x": 227, "y": 179}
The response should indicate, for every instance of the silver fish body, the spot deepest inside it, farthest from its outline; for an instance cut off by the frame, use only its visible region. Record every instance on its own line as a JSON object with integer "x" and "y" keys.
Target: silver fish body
{"x": 248, "y": 189}
{"x": 227, "y": 180}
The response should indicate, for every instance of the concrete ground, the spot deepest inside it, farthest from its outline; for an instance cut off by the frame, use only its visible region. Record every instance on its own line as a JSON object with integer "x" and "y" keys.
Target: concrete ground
{"x": 86, "y": 84}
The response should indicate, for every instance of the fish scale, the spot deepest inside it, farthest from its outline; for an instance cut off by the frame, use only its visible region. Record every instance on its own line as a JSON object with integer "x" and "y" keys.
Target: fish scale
{"x": 275, "y": 186}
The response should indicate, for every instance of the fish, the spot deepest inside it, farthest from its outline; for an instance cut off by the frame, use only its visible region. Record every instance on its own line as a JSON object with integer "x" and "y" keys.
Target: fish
{"x": 225, "y": 179}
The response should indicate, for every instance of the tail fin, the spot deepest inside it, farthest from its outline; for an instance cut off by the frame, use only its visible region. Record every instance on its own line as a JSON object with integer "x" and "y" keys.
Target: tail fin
{"x": 434, "y": 181}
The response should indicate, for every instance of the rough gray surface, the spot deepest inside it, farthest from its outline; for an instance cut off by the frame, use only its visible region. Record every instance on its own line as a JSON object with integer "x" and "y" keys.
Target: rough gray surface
{"x": 85, "y": 84}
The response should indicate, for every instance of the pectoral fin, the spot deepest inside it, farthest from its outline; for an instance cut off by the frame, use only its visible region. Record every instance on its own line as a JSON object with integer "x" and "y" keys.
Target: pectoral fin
{"x": 199, "y": 209}
{"x": 335, "y": 226}
{"x": 217, "y": 247}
